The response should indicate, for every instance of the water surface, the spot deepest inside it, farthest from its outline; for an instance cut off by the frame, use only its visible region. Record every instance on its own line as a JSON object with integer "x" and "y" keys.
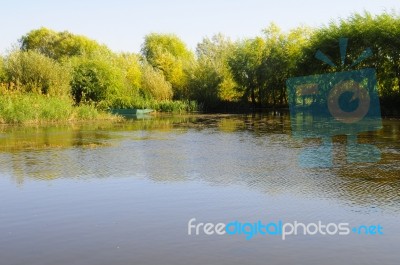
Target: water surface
{"x": 124, "y": 193}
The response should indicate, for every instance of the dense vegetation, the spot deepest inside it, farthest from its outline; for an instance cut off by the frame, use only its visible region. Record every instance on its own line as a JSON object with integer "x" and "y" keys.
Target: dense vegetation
{"x": 62, "y": 76}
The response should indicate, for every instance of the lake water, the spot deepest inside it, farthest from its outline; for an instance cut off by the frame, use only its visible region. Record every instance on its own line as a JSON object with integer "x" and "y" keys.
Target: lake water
{"x": 124, "y": 193}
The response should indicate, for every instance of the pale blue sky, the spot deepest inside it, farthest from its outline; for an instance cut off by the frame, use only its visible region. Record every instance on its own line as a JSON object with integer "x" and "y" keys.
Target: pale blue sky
{"x": 122, "y": 24}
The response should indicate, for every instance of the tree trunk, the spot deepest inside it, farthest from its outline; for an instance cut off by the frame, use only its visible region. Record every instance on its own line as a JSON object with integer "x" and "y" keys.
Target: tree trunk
{"x": 253, "y": 98}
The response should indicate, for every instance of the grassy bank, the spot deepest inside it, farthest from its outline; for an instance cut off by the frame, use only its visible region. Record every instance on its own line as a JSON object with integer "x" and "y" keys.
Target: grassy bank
{"x": 34, "y": 108}
{"x": 176, "y": 106}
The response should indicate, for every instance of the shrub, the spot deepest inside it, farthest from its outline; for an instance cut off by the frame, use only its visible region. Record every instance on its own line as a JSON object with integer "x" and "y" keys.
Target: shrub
{"x": 204, "y": 84}
{"x": 129, "y": 64}
{"x": 32, "y": 72}
{"x": 33, "y": 108}
{"x": 95, "y": 79}
{"x": 86, "y": 112}
{"x": 2, "y": 70}
{"x": 154, "y": 84}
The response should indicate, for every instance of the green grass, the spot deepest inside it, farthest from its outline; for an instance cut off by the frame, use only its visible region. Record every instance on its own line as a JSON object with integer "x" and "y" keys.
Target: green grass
{"x": 161, "y": 106}
{"x": 174, "y": 106}
{"x": 33, "y": 108}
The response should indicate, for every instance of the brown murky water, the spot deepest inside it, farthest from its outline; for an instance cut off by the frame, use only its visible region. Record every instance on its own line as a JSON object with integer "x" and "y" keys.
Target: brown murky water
{"x": 124, "y": 193}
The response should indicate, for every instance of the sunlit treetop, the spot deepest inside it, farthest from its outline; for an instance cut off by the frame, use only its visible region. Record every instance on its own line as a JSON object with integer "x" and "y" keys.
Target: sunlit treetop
{"x": 58, "y": 45}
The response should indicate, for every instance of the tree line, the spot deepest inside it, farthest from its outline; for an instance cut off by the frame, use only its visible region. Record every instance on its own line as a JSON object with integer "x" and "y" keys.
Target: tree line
{"x": 247, "y": 73}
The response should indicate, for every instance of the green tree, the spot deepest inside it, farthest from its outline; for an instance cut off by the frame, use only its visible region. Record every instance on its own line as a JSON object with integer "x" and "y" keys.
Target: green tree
{"x": 130, "y": 65}
{"x": 210, "y": 79}
{"x": 58, "y": 45}
{"x": 245, "y": 64}
{"x": 154, "y": 84}
{"x": 204, "y": 84}
{"x": 283, "y": 50}
{"x": 169, "y": 54}
{"x": 96, "y": 80}
{"x": 380, "y": 33}
{"x": 2, "y": 70}
{"x": 32, "y": 72}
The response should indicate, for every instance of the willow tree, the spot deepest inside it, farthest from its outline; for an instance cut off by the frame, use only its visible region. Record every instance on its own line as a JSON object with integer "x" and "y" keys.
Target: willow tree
{"x": 32, "y": 72}
{"x": 282, "y": 52}
{"x": 95, "y": 80}
{"x": 59, "y": 45}
{"x": 379, "y": 33}
{"x": 211, "y": 81}
{"x": 245, "y": 65}
{"x": 169, "y": 54}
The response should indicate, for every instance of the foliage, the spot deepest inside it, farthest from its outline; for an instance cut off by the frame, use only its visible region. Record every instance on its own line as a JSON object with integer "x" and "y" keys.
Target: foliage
{"x": 380, "y": 33}
{"x": 129, "y": 64}
{"x": 154, "y": 84}
{"x": 210, "y": 79}
{"x": 53, "y": 71}
{"x": 180, "y": 106}
{"x": 58, "y": 45}
{"x": 204, "y": 83}
{"x": 245, "y": 65}
{"x": 95, "y": 79}
{"x": 169, "y": 54}
{"x": 283, "y": 51}
{"x": 3, "y": 75}
{"x": 34, "y": 108}
{"x": 32, "y": 72}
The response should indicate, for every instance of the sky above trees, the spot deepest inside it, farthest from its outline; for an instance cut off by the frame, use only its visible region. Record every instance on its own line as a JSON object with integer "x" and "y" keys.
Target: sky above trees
{"x": 122, "y": 25}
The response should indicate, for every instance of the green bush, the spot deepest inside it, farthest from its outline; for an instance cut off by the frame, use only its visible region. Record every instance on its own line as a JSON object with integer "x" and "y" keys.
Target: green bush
{"x": 154, "y": 84}
{"x": 174, "y": 106}
{"x": 129, "y": 64}
{"x": 33, "y": 108}
{"x": 95, "y": 79}
{"x": 86, "y": 112}
{"x": 31, "y": 72}
{"x": 2, "y": 70}
{"x": 204, "y": 84}
{"x": 168, "y": 53}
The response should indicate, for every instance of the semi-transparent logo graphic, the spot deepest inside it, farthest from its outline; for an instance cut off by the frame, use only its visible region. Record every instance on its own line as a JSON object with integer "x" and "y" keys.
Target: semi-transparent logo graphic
{"x": 336, "y": 103}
